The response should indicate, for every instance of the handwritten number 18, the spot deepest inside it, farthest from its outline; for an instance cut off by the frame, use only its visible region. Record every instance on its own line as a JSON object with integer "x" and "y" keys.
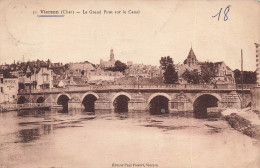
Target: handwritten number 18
{"x": 225, "y": 13}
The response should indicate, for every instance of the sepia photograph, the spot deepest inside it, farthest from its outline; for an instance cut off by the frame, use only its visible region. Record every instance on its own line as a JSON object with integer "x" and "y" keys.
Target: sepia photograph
{"x": 129, "y": 84}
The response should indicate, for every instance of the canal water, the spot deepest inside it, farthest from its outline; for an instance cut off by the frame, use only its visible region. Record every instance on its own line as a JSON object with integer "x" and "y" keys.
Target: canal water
{"x": 104, "y": 139}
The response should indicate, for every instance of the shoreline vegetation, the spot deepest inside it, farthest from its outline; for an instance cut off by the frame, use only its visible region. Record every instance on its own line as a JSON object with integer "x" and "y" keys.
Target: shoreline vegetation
{"x": 245, "y": 121}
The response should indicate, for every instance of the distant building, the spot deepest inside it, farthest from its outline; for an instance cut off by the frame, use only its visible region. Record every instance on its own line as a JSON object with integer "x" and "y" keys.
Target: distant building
{"x": 102, "y": 75}
{"x": 81, "y": 66}
{"x": 141, "y": 70}
{"x": 8, "y": 89}
{"x": 110, "y": 63}
{"x": 191, "y": 59}
{"x": 37, "y": 78}
{"x": 224, "y": 75}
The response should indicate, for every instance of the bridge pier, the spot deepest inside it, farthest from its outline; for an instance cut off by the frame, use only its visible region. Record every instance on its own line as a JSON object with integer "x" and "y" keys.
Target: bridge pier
{"x": 74, "y": 103}
{"x": 103, "y": 105}
{"x": 137, "y": 105}
{"x": 180, "y": 103}
{"x": 231, "y": 100}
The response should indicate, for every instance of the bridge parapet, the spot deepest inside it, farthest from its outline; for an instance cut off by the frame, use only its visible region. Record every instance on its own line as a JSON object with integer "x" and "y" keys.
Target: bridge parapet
{"x": 142, "y": 87}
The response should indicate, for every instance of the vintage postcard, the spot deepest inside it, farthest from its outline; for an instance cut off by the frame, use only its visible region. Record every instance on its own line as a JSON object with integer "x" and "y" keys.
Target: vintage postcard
{"x": 129, "y": 84}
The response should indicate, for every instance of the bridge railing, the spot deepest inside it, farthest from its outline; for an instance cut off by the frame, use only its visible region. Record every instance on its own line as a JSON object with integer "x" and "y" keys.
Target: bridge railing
{"x": 168, "y": 86}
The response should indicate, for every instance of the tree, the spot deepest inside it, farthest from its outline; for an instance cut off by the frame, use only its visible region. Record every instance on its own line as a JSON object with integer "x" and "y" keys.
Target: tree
{"x": 170, "y": 75}
{"x": 208, "y": 72}
{"x": 249, "y": 77}
{"x": 165, "y": 61}
{"x": 192, "y": 77}
{"x": 119, "y": 66}
{"x": 67, "y": 66}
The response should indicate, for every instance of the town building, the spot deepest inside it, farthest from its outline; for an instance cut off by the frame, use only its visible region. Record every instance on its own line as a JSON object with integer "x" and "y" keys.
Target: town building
{"x": 82, "y": 67}
{"x": 103, "y": 75}
{"x": 141, "y": 70}
{"x": 36, "y": 78}
{"x": 223, "y": 73}
{"x": 110, "y": 63}
{"x": 8, "y": 89}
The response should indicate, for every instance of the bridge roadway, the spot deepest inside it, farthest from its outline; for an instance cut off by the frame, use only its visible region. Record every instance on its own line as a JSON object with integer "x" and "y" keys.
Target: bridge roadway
{"x": 163, "y": 98}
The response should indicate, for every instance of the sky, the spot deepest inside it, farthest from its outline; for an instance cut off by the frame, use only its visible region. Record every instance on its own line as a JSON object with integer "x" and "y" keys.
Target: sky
{"x": 160, "y": 28}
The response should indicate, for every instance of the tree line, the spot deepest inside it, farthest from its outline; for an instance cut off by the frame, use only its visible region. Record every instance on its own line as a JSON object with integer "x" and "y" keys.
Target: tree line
{"x": 205, "y": 76}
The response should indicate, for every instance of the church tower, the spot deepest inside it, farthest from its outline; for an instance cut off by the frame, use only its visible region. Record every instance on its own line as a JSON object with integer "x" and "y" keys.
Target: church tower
{"x": 191, "y": 59}
{"x": 112, "y": 55}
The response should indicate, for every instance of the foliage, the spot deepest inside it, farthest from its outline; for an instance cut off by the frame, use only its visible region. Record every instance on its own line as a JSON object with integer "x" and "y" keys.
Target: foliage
{"x": 249, "y": 77}
{"x": 67, "y": 66}
{"x": 165, "y": 61}
{"x": 7, "y": 74}
{"x": 192, "y": 77}
{"x": 119, "y": 66}
{"x": 208, "y": 71}
{"x": 170, "y": 75}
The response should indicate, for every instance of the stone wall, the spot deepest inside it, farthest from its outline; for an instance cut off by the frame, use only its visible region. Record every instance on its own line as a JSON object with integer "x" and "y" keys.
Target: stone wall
{"x": 255, "y": 98}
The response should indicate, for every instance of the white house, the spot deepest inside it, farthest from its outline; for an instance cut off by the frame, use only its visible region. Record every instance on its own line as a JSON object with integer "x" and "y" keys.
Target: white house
{"x": 8, "y": 89}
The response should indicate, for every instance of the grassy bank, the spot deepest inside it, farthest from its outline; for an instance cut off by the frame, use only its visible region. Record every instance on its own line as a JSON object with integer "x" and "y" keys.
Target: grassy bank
{"x": 243, "y": 125}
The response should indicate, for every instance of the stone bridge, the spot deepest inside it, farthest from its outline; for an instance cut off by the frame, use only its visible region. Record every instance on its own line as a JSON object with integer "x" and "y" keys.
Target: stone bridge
{"x": 156, "y": 99}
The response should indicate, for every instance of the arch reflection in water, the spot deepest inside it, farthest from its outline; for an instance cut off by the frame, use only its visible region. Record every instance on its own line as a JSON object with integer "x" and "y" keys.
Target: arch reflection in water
{"x": 28, "y": 135}
{"x": 89, "y": 103}
{"x": 121, "y": 104}
{"x": 40, "y": 100}
{"x": 63, "y": 100}
{"x": 202, "y": 103}
{"x": 159, "y": 105}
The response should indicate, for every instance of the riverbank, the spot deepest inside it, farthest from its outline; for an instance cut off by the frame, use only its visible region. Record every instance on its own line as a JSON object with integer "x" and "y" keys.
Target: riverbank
{"x": 245, "y": 121}
{"x": 28, "y": 106}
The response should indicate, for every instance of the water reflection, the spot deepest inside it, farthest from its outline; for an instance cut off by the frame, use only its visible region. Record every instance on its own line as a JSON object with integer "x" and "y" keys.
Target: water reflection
{"x": 23, "y": 113}
{"x": 55, "y": 119}
{"x": 28, "y": 135}
{"x": 34, "y": 124}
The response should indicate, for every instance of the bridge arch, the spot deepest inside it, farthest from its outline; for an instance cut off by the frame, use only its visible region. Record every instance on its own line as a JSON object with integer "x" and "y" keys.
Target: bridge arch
{"x": 89, "y": 93}
{"x": 88, "y": 101}
{"x": 21, "y": 100}
{"x": 204, "y": 101}
{"x": 212, "y": 94}
{"x": 158, "y": 103}
{"x": 40, "y": 99}
{"x": 158, "y": 94}
{"x": 120, "y": 101}
{"x": 63, "y": 99}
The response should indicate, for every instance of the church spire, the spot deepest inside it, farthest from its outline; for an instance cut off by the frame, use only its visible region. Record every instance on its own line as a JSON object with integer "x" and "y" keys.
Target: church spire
{"x": 191, "y": 59}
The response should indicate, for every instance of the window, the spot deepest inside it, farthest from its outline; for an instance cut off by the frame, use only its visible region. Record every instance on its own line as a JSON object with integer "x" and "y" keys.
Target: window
{"x": 2, "y": 90}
